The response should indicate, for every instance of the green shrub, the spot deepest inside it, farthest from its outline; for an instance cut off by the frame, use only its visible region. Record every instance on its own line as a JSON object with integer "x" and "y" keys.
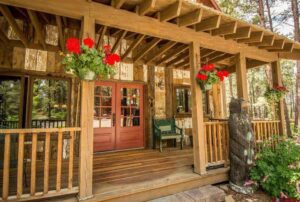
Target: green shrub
{"x": 277, "y": 170}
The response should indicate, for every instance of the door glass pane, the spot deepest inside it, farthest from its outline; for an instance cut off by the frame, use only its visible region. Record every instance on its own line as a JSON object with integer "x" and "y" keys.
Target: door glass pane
{"x": 103, "y": 107}
{"x": 125, "y": 111}
{"x": 49, "y": 103}
{"x": 136, "y": 121}
{"x": 135, "y": 111}
{"x": 10, "y": 92}
{"x": 105, "y": 122}
{"x": 106, "y": 90}
{"x": 130, "y": 121}
{"x": 97, "y": 101}
{"x": 125, "y": 101}
{"x": 106, "y": 101}
{"x": 97, "y": 90}
{"x": 105, "y": 111}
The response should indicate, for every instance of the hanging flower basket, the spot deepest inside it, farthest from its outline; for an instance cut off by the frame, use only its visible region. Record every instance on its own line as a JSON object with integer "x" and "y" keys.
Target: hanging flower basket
{"x": 208, "y": 75}
{"x": 88, "y": 63}
{"x": 275, "y": 94}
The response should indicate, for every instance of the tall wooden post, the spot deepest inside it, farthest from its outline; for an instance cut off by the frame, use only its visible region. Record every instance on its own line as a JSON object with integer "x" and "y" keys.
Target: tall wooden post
{"x": 241, "y": 76}
{"x": 277, "y": 81}
{"x": 197, "y": 112}
{"x": 169, "y": 92}
{"x": 87, "y": 134}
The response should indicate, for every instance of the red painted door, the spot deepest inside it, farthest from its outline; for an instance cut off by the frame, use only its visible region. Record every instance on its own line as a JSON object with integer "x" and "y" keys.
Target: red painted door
{"x": 104, "y": 116}
{"x": 118, "y": 116}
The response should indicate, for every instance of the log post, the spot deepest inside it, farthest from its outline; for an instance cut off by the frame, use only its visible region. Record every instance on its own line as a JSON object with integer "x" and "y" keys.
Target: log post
{"x": 87, "y": 133}
{"x": 277, "y": 81}
{"x": 241, "y": 77}
{"x": 197, "y": 112}
{"x": 169, "y": 92}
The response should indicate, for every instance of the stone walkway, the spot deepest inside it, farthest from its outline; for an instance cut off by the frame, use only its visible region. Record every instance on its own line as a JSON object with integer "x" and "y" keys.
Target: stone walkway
{"x": 202, "y": 194}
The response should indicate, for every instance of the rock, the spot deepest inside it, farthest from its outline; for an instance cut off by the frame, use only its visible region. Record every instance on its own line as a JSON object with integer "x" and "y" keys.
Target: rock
{"x": 229, "y": 198}
{"x": 224, "y": 187}
{"x": 207, "y": 193}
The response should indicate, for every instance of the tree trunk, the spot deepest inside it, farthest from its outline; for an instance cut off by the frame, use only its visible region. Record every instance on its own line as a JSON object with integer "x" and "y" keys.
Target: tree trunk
{"x": 260, "y": 11}
{"x": 297, "y": 37}
{"x": 287, "y": 119}
{"x": 269, "y": 15}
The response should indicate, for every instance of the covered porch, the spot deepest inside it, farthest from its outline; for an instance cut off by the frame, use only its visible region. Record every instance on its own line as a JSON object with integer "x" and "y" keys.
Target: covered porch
{"x": 155, "y": 39}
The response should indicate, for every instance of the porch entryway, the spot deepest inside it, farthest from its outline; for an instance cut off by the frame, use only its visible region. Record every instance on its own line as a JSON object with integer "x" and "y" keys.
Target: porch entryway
{"x": 118, "y": 116}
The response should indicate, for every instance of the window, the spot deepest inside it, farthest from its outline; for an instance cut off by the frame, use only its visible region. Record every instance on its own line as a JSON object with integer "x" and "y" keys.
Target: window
{"x": 183, "y": 102}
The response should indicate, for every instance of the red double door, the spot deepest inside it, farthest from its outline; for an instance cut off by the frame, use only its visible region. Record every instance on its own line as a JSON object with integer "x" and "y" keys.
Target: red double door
{"x": 118, "y": 116}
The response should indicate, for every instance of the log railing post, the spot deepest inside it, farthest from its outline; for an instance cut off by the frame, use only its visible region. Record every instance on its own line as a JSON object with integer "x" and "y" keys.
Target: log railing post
{"x": 197, "y": 112}
{"x": 87, "y": 134}
{"x": 277, "y": 81}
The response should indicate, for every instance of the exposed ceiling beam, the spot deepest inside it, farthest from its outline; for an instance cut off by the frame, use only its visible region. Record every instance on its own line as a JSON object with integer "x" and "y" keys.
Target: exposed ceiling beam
{"x": 254, "y": 63}
{"x": 9, "y": 17}
{"x": 133, "y": 45}
{"x": 170, "y": 12}
{"x": 37, "y": 27}
{"x": 288, "y": 47}
{"x": 190, "y": 18}
{"x": 206, "y": 52}
{"x": 212, "y": 56}
{"x": 177, "y": 59}
{"x": 183, "y": 63}
{"x": 61, "y": 36}
{"x": 267, "y": 40}
{"x": 145, "y": 7}
{"x": 101, "y": 32}
{"x": 173, "y": 53}
{"x": 220, "y": 58}
{"x": 148, "y": 47}
{"x": 118, "y": 41}
{"x": 117, "y": 3}
{"x": 161, "y": 51}
{"x": 208, "y": 23}
{"x": 228, "y": 28}
{"x": 241, "y": 33}
{"x": 256, "y": 36}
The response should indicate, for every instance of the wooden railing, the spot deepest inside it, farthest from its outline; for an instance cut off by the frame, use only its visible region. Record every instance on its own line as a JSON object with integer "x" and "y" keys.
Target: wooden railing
{"x": 36, "y": 123}
{"x": 48, "y": 177}
{"x": 216, "y": 138}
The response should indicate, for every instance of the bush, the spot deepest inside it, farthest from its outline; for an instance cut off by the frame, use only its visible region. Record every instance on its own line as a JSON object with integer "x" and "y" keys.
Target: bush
{"x": 277, "y": 170}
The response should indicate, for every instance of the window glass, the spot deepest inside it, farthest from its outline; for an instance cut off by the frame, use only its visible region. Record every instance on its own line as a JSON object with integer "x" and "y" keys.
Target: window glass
{"x": 183, "y": 100}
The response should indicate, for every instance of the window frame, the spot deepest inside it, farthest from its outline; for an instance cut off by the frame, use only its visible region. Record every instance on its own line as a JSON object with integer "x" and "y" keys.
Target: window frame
{"x": 182, "y": 114}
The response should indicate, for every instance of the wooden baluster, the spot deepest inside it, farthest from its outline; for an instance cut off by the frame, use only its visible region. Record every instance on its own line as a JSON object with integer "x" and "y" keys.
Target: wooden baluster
{"x": 219, "y": 135}
{"x": 210, "y": 142}
{"x": 33, "y": 164}
{"x": 71, "y": 159}
{"x": 46, "y": 163}
{"x": 224, "y": 152}
{"x": 215, "y": 142}
{"x": 227, "y": 142}
{"x": 20, "y": 165}
{"x": 206, "y": 146}
{"x": 59, "y": 161}
{"x": 6, "y": 166}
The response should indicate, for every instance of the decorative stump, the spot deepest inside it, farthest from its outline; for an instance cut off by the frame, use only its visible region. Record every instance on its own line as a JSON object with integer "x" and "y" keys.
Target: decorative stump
{"x": 241, "y": 146}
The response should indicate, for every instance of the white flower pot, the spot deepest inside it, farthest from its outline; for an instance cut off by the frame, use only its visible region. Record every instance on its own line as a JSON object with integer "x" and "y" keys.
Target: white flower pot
{"x": 89, "y": 76}
{"x": 208, "y": 86}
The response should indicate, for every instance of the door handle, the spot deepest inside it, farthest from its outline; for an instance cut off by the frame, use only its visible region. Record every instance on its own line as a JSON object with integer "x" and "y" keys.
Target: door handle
{"x": 114, "y": 119}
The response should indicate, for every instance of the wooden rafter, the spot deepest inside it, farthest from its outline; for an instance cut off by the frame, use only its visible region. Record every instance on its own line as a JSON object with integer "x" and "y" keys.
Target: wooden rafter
{"x": 278, "y": 45}
{"x": 228, "y": 28}
{"x": 183, "y": 63}
{"x": 37, "y": 27}
{"x": 190, "y": 18}
{"x": 255, "y": 63}
{"x": 119, "y": 40}
{"x": 61, "y": 36}
{"x": 267, "y": 40}
{"x": 172, "y": 53}
{"x": 4, "y": 38}
{"x": 211, "y": 56}
{"x": 288, "y": 47}
{"x": 148, "y": 47}
{"x": 101, "y": 32}
{"x": 256, "y": 36}
{"x": 208, "y": 24}
{"x": 241, "y": 33}
{"x": 220, "y": 58}
{"x": 133, "y": 45}
{"x": 179, "y": 58}
{"x": 161, "y": 51}
{"x": 9, "y": 17}
{"x": 206, "y": 52}
{"x": 117, "y": 3}
{"x": 170, "y": 12}
{"x": 145, "y": 7}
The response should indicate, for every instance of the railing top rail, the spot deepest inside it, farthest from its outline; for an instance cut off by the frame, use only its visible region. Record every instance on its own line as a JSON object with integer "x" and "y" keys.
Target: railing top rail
{"x": 39, "y": 130}
{"x": 215, "y": 122}
{"x": 265, "y": 121}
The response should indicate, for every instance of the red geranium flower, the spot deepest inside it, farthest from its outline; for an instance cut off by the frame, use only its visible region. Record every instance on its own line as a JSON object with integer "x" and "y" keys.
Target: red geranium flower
{"x": 208, "y": 67}
{"x": 222, "y": 74}
{"x": 73, "y": 45}
{"x": 106, "y": 49}
{"x": 201, "y": 77}
{"x": 88, "y": 42}
{"x": 111, "y": 59}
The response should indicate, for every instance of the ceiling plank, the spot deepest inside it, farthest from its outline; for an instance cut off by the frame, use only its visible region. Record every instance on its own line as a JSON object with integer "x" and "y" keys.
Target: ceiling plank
{"x": 208, "y": 24}
{"x": 177, "y": 59}
{"x": 61, "y": 36}
{"x": 172, "y": 54}
{"x": 170, "y": 12}
{"x": 37, "y": 27}
{"x": 228, "y": 28}
{"x": 4, "y": 38}
{"x": 212, "y": 56}
{"x": 161, "y": 51}
{"x": 133, "y": 45}
{"x": 256, "y": 36}
{"x": 148, "y": 47}
{"x": 190, "y": 18}
{"x": 267, "y": 40}
{"x": 183, "y": 63}
{"x": 101, "y": 32}
{"x": 220, "y": 58}
{"x": 117, "y": 3}
{"x": 241, "y": 33}
{"x": 9, "y": 17}
{"x": 206, "y": 52}
{"x": 145, "y": 7}
{"x": 118, "y": 42}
